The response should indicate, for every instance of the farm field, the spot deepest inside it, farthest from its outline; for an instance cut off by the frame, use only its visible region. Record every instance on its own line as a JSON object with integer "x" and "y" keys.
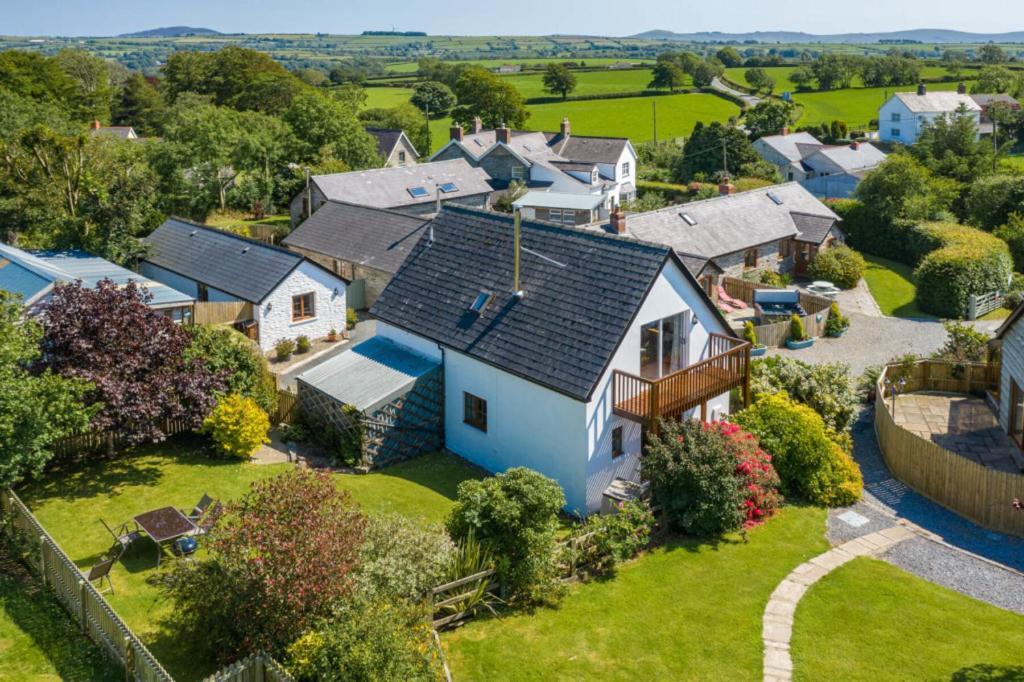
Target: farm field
{"x": 386, "y": 97}
{"x": 411, "y": 67}
{"x": 783, "y": 84}
{"x": 856, "y": 106}
{"x": 610, "y": 81}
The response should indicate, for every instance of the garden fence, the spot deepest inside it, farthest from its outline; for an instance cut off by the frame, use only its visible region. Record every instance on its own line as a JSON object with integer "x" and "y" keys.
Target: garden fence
{"x": 449, "y": 600}
{"x": 99, "y": 440}
{"x": 983, "y": 304}
{"x": 776, "y": 334}
{"x": 222, "y": 312}
{"x": 976, "y": 492}
{"x": 258, "y": 668}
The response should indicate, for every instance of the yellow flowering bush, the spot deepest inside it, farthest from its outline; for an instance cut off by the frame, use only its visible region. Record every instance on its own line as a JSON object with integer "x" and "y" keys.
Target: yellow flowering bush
{"x": 237, "y": 426}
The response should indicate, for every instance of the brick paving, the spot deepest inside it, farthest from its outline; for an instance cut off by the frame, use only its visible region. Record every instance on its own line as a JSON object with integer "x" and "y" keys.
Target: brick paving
{"x": 960, "y": 424}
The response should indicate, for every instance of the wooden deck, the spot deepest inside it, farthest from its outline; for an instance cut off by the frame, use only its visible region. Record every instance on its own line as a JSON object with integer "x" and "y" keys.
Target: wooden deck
{"x": 645, "y": 400}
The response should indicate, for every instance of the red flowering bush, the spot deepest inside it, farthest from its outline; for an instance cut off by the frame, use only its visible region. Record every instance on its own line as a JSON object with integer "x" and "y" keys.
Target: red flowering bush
{"x": 759, "y": 481}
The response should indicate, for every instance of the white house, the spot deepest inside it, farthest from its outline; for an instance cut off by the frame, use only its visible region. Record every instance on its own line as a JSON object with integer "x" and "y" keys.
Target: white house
{"x": 904, "y": 115}
{"x": 552, "y": 366}
{"x": 395, "y": 147}
{"x": 283, "y": 294}
{"x": 831, "y": 171}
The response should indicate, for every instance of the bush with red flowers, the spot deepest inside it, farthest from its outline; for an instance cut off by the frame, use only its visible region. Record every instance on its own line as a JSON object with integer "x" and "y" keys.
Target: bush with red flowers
{"x": 760, "y": 483}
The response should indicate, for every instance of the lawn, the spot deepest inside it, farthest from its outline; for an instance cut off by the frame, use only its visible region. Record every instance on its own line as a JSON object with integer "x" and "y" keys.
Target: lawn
{"x": 687, "y": 610}
{"x": 609, "y": 81}
{"x": 871, "y": 621}
{"x": 893, "y": 288}
{"x": 70, "y": 504}
{"x": 856, "y": 106}
{"x": 38, "y": 639}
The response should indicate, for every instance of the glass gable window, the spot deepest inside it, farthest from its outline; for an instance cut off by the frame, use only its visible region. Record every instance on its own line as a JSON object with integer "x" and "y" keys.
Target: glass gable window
{"x": 663, "y": 346}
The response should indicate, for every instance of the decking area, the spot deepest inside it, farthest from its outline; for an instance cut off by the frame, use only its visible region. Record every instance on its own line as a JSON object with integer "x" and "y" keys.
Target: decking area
{"x": 726, "y": 367}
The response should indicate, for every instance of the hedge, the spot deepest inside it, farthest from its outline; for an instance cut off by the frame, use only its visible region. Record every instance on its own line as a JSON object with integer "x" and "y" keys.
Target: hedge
{"x": 840, "y": 265}
{"x": 956, "y": 262}
{"x": 867, "y": 234}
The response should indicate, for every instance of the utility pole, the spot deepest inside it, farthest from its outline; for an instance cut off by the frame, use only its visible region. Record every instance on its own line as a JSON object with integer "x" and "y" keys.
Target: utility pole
{"x": 654, "y": 114}
{"x": 427, "y": 115}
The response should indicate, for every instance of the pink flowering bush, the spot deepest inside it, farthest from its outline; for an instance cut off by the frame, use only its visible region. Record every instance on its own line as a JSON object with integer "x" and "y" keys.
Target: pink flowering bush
{"x": 759, "y": 481}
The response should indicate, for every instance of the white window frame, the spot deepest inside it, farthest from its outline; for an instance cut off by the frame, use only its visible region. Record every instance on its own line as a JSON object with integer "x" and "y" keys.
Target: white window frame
{"x": 518, "y": 172}
{"x": 555, "y": 215}
{"x": 625, "y": 169}
{"x": 895, "y": 132}
{"x": 568, "y": 216}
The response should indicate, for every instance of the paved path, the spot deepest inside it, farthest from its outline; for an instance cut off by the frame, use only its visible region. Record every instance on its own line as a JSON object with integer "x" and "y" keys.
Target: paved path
{"x": 363, "y": 331}
{"x": 777, "y": 625}
{"x": 748, "y": 100}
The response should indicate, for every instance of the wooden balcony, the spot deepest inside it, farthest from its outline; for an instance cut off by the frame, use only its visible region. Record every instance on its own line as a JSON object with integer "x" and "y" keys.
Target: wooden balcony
{"x": 645, "y": 400}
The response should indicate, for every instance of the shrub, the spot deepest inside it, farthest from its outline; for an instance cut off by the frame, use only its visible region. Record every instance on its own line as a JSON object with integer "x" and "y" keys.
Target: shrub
{"x": 967, "y": 262}
{"x": 796, "y": 328}
{"x": 237, "y": 426}
{"x": 758, "y": 478}
{"x": 230, "y": 354}
{"x": 515, "y": 514}
{"x": 749, "y": 335}
{"x": 806, "y": 454}
{"x": 367, "y": 639}
{"x": 964, "y": 344}
{"x": 604, "y": 540}
{"x": 351, "y": 318}
{"x": 402, "y": 558}
{"x": 282, "y": 555}
{"x": 840, "y": 265}
{"x": 302, "y": 344}
{"x": 284, "y": 349}
{"x": 992, "y": 199}
{"x": 837, "y": 323}
{"x": 1013, "y": 234}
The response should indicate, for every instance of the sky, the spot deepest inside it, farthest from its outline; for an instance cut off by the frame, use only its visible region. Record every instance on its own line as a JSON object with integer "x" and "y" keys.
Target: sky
{"x": 519, "y": 17}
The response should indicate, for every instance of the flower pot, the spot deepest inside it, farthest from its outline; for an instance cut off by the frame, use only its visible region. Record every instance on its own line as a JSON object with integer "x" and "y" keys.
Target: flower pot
{"x": 797, "y": 345}
{"x": 836, "y": 335}
{"x": 758, "y": 350}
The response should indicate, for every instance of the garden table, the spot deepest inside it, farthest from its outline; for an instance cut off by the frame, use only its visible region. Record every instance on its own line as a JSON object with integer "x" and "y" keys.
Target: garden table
{"x": 164, "y": 525}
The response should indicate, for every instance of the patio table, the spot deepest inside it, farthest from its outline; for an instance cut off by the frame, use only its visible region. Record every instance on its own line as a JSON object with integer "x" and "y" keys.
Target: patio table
{"x": 164, "y": 525}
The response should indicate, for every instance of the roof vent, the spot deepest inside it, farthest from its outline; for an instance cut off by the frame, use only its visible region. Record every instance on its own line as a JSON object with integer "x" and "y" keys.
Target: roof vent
{"x": 193, "y": 233}
{"x": 245, "y": 250}
{"x": 481, "y": 301}
{"x": 775, "y": 198}
{"x": 690, "y": 220}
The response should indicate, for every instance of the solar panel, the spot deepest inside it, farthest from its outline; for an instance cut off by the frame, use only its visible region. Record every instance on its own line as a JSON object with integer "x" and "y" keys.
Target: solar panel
{"x": 418, "y": 192}
{"x": 688, "y": 218}
{"x": 481, "y": 301}
{"x": 449, "y": 187}
{"x": 775, "y": 198}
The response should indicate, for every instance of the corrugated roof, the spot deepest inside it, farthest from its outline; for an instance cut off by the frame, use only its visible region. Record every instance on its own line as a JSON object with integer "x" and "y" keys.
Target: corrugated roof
{"x": 236, "y": 265}
{"x": 369, "y": 375}
{"x": 390, "y": 187}
{"x": 374, "y": 237}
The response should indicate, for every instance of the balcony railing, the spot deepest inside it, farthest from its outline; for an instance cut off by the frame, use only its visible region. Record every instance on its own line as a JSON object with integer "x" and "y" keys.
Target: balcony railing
{"x": 644, "y": 400}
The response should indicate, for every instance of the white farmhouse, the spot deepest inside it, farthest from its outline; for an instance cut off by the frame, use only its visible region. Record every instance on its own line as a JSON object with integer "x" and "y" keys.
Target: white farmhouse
{"x": 558, "y": 365}
{"x": 904, "y": 115}
{"x": 283, "y": 294}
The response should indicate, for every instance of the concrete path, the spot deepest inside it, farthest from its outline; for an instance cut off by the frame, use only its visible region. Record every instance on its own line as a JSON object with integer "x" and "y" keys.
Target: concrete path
{"x": 748, "y": 100}
{"x": 777, "y": 625}
{"x": 363, "y": 331}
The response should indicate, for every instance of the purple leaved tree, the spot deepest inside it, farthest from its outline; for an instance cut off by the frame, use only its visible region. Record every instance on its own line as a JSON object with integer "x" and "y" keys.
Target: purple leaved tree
{"x": 133, "y": 356}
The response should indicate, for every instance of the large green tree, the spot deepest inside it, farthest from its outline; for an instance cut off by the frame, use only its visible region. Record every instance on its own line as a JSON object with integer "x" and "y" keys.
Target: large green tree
{"x": 901, "y": 188}
{"x": 326, "y": 128}
{"x": 494, "y": 100}
{"x": 768, "y": 117}
{"x": 715, "y": 149}
{"x": 559, "y": 80}
{"x": 402, "y": 117}
{"x": 141, "y": 106}
{"x": 433, "y": 98}
{"x": 667, "y": 75}
{"x": 950, "y": 147}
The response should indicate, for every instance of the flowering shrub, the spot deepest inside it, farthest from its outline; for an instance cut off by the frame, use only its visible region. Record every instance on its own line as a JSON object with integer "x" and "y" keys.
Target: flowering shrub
{"x": 826, "y": 388}
{"x": 237, "y": 426}
{"x": 402, "y": 558}
{"x": 758, "y": 479}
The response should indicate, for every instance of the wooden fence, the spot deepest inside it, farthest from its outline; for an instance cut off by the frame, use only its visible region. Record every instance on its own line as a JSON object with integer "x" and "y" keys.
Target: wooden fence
{"x": 447, "y": 600}
{"x": 976, "y": 492}
{"x": 258, "y": 668}
{"x": 98, "y": 441}
{"x": 937, "y": 375}
{"x": 777, "y": 333}
{"x": 222, "y": 312}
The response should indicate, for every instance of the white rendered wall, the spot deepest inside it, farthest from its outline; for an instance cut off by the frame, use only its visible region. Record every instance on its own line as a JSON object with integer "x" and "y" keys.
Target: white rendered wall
{"x": 274, "y": 314}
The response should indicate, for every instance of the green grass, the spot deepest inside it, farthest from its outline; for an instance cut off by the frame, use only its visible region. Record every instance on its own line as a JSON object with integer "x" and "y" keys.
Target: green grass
{"x": 893, "y": 288}
{"x": 610, "y": 81}
{"x": 413, "y": 67}
{"x": 687, "y": 610}
{"x": 38, "y": 639}
{"x": 871, "y": 621}
{"x": 70, "y": 504}
{"x": 856, "y": 106}
{"x": 386, "y": 98}
{"x": 783, "y": 84}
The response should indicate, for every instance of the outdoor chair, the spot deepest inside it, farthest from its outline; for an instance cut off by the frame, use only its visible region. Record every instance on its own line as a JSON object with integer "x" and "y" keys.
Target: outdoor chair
{"x": 733, "y": 302}
{"x": 122, "y": 536}
{"x": 100, "y": 572}
{"x": 205, "y": 523}
{"x": 200, "y": 509}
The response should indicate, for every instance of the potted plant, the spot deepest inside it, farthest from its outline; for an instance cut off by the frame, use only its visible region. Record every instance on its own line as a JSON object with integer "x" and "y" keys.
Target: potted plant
{"x": 302, "y": 344}
{"x": 284, "y": 349}
{"x": 332, "y": 335}
{"x": 750, "y": 336}
{"x": 837, "y": 323}
{"x": 797, "y": 334}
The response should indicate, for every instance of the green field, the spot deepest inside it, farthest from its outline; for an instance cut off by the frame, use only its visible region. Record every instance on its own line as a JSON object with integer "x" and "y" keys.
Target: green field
{"x": 610, "y": 81}
{"x": 411, "y": 67}
{"x": 386, "y": 97}
{"x": 856, "y": 106}
{"x": 783, "y": 84}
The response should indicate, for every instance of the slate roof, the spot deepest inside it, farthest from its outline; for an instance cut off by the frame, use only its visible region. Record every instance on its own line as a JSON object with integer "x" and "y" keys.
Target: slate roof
{"x": 987, "y": 100}
{"x": 727, "y": 224}
{"x": 582, "y": 291}
{"x": 936, "y": 101}
{"x": 242, "y": 267}
{"x": 812, "y": 228}
{"x": 789, "y": 145}
{"x": 124, "y": 132}
{"x": 389, "y": 187}
{"x": 373, "y": 237}
{"x": 32, "y": 274}
{"x": 866, "y": 155}
{"x": 388, "y": 139}
{"x": 605, "y": 150}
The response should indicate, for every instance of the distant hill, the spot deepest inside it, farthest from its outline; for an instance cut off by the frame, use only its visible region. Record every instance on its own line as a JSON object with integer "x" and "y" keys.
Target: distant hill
{"x": 172, "y": 32}
{"x": 921, "y": 35}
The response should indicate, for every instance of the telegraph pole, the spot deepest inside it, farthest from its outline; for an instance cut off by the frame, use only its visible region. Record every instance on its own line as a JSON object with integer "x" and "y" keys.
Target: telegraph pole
{"x": 654, "y": 114}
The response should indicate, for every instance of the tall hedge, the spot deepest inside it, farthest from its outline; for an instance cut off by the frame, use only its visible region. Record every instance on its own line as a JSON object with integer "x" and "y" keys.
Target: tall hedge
{"x": 867, "y": 233}
{"x": 956, "y": 262}
{"x": 991, "y": 200}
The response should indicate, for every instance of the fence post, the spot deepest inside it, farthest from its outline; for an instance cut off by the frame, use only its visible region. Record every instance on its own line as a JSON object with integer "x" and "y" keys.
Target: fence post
{"x": 972, "y": 307}
{"x": 82, "y": 612}
{"x": 42, "y": 560}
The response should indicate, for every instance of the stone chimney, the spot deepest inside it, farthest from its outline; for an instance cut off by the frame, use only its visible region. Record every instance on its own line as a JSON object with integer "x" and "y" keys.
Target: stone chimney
{"x": 961, "y": 89}
{"x": 502, "y": 134}
{"x": 855, "y": 145}
{"x": 456, "y": 133}
{"x": 922, "y": 89}
{"x": 725, "y": 188}
{"x": 478, "y": 124}
{"x": 95, "y": 125}
{"x": 566, "y": 128}
{"x": 618, "y": 220}
{"x": 784, "y": 131}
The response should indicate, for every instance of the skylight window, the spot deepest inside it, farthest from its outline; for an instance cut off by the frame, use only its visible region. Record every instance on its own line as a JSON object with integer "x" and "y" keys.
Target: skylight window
{"x": 775, "y": 198}
{"x": 449, "y": 187}
{"x": 481, "y": 301}
{"x": 690, "y": 220}
{"x": 418, "y": 192}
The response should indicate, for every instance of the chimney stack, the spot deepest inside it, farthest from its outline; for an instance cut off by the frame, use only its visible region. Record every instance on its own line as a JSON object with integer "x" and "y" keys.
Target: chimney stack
{"x": 961, "y": 89}
{"x": 566, "y": 128}
{"x": 95, "y": 125}
{"x": 501, "y": 134}
{"x": 855, "y": 145}
{"x": 922, "y": 89}
{"x": 784, "y": 131}
{"x": 478, "y": 124}
{"x": 456, "y": 133}
{"x": 618, "y": 220}
{"x": 725, "y": 188}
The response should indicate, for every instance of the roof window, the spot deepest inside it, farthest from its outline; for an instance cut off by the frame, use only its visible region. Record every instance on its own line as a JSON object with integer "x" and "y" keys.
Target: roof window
{"x": 775, "y": 198}
{"x": 481, "y": 301}
{"x": 690, "y": 220}
{"x": 418, "y": 192}
{"x": 449, "y": 187}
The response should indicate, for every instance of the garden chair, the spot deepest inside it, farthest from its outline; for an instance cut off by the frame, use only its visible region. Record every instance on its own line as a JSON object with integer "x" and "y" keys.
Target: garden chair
{"x": 200, "y": 509}
{"x": 100, "y": 572}
{"x": 123, "y": 537}
{"x": 733, "y": 302}
{"x": 205, "y": 523}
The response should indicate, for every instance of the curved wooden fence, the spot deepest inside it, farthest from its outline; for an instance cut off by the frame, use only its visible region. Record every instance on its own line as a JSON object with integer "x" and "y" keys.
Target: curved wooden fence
{"x": 976, "y": 492}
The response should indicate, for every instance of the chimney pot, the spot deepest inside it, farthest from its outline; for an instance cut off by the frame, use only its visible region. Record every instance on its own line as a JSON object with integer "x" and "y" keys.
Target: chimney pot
{"x": 725, "y": 188}
{"x": 619, "y": 220}
{"x": 95, "y": 125}
{"x": 478, "y": 124}
{"x": 456, "y": 133}
{"x": 922, "y": 89}
{"x": 961, "y": 88}
{"x": 566, "y": 128}
{"x": 501, "y": 134}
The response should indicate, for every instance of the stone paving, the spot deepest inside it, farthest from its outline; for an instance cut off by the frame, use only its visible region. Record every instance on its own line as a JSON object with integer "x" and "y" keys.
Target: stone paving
{"x": 777, "y": 624}
{"x": 960, "y": 424}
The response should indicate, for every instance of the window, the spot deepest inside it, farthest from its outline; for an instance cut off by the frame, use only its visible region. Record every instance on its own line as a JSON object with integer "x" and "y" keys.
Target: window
{"x": 688, "y": 219}
{"x": 202, "y": 293}
{"x": 593, "y": 177}
{"x": 617, "y": 442}
{"x": 401, "y": 158}
{"x": 303, "y": 307}
{"x": 776, "y": 199}
{"x": 895, "y": 132}
{"x": 895, "y": 117}
{"x": 569, "y": 217}
{"x": 418, "y": 192}
{"x": 555, "y": 215}
{"x": 449, "y": 187}
{"x": 750, "y": 258}
{"x": 663, "y": 346}
{"x": 518, "y": 173}
{"x": 474, "y": 411}
{"x": 625, "y": 169}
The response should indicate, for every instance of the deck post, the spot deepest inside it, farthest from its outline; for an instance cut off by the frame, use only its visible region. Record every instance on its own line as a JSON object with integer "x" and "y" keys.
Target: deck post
{"x": 746, "y": 376}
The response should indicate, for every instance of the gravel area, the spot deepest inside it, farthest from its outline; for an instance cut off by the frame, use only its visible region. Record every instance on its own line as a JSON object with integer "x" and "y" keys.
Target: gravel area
{"x": 968, "y": 575}
{"x": 840, "y": 530}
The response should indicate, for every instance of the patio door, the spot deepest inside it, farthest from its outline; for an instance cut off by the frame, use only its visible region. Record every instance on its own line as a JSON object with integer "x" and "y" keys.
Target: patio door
{"x": 1016, "y": 430}
{"x": 664, "y": 346}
